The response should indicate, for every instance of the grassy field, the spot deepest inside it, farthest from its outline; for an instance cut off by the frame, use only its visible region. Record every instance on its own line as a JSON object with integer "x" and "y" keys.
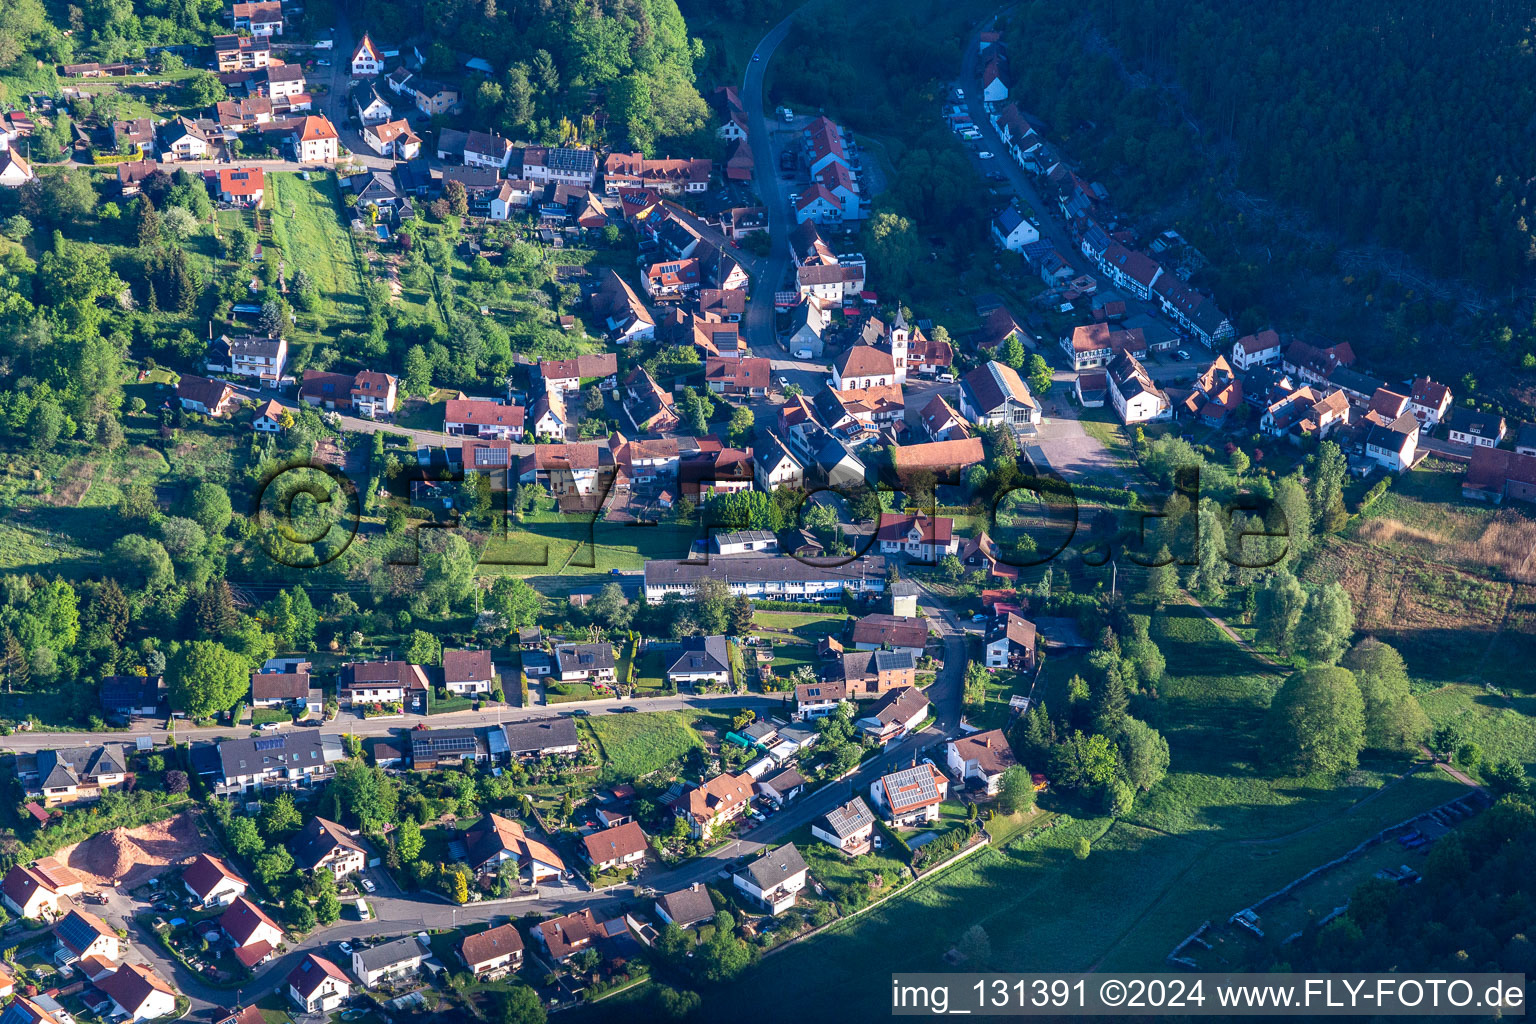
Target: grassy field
{"x": 306, "y": 223}
{"x": 1219, "y": 832}
{"x": 636, "y": 745}
{"x": 578, "y": 546}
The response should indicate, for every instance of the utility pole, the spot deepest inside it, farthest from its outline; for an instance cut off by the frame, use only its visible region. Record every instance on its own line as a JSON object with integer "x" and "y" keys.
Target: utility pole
{"x": 1114, "y": 576}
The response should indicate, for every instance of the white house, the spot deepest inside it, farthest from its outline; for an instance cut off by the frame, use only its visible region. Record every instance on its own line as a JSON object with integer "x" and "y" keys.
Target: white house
{"x": 138, "y": 993}
{"x": 80, "y": 935}
{"x": 774, "y": 879}
{"x": 247, "y": 925}
{"x": 389, "y": 961}
{"x": 33, "y": 891}
{"x": 911, "y": 795}
{"x": 468, "y": 672}
{"x": 493, "y": 953}
{"x": 774, "y": 467}
{"x": 367, "y": 59}
{"x": 1012, "y": 231}
{"x": 211, "y": 882}
{"x": 318, "y": 986}
{"x": 700, "y": 659}
{"x": 1133, "y": 394}
{"x": 847, "y": 828}
{"x": 918, "y": 535}
{"x": 981, "y": 757}
{"x": 14, "y": 171}
{"x": 1480, "y": 429}
{"x": 1429, "y": 401}
{"x": 1255, "y": 350}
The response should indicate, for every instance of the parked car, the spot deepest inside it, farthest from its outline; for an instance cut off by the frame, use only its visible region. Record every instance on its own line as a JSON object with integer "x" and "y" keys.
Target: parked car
{"x": 368, "y": 886}
{"x": 1183, "y": 355}
{"x": 984, "y": 155}
{"x": 346, "y": 948}
{"x": 783, "y": 382}
{"x": 946, "y": 378}
{"x": 269, "y": 726}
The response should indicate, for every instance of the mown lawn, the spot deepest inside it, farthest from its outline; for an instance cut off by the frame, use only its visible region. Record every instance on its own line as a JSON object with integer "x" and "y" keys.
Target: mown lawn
{"x": 638, "y": 744}
{"x": 579, "y": 545}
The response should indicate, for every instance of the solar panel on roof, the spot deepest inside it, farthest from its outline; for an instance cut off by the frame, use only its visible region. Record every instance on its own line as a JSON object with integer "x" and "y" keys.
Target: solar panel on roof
{"x": 275, "y": 743}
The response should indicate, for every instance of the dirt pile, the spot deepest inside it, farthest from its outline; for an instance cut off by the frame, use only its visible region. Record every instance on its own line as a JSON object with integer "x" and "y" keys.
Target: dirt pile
{"x": 129, "y": 857}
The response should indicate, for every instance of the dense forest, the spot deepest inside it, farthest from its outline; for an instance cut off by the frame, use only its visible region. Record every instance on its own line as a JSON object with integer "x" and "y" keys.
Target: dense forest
{"x": 554, "y": 57}
{"x": 1406, "y": 124}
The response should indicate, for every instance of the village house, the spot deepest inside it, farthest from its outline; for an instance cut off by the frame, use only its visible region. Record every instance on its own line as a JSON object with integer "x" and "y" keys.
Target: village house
{"x": 1255, "y": 350}
{"x": 211, "y": 882}
{"x": 870, "y": 674}
{"x": 700, "y": 659}
{"x": 584, "y": 662}
{"x": 493, "y": 953}
{"x": 264, "y": 18}
{"x": 468, "y": 671}
{"x": 980, "y": 759}
{"x": 68, "y": 775}
{"x": 137, "y": 993}
{"x": 1133, "y": 394}
{"x": 254, "y": 935}
{"x": 130, "y": 176}
{"x": 285, "y": 683}
{"x": 892, "y": 632}
{"x": 495, "y": 840}
{"x": 241, "y": 53}
{"x": 370, "y": 106}
{"x": 433, "y": 98}
{"x": 923, "y": 538}
{"x": 772, "y": 577}
{"x": 910, "y": 796}
{"x": 774, "y": 879}
{"x": 251, "y": 355}
{"x": 561, "y": 164}
{"x": 1494, "y": 474}
{"x": 464, "y": 417}
{"x": 325, "y": 844}
{"x": 864, "y": 366}
{"x": 775, "y": 467}
{"x": 564, "y": 937}
{"x": 737, "y": 376}
{"x": 368, "y": 393}
{"x": 388, "y": 962}
{"x": 994, "y": 394}
{"x": 367, "y": 58}
{"x": 33, "y": 891}
{"x": 183, "y": 139}
{"x": 621, "y": 846}
{"x": 686, "y": 907}
{"x": 715, "y": 804}
{"x": 202, "y": 395}
{"x": 382, "y": 682}
{"x": 293, "y": 760}
{"x": 1012, "y": 231}
{"x": 318, "y": 986}
{"x": 563, "y": 375}
{"x": 1091, "y": 388}
{"x": 393, "y": 139}
{"x": 14, "y": 170}
{"x": 1470, "y": 427}
{"x": 1011, "y": 644}
{"x": 132, "y": 696}
{"x": 894, "y": 715}
{"x": 817, "y": 700}
{"x": 847, "y": 828}
{"x": 1217, "y": 393}
{"x": 315, "y": 140}
{"x": 1305, "y": 413}
{"x": 942, "y": 423}
{"x": 1429, "y": 402}
{"x": 512, "y": 195}
{"x": 444, "y": 748}
{"x": 80, "y": 934}
{"x": 1098, "y": 344}
{"x": 782, "y": 786}
{"x": 667, "y": 177}
{"x": 1391, "y": 443}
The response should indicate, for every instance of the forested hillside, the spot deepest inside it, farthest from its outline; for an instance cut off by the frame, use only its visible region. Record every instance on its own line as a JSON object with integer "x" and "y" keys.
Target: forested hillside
{"x": 1407, "y": 124}
{"x": 550, "y": 55}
